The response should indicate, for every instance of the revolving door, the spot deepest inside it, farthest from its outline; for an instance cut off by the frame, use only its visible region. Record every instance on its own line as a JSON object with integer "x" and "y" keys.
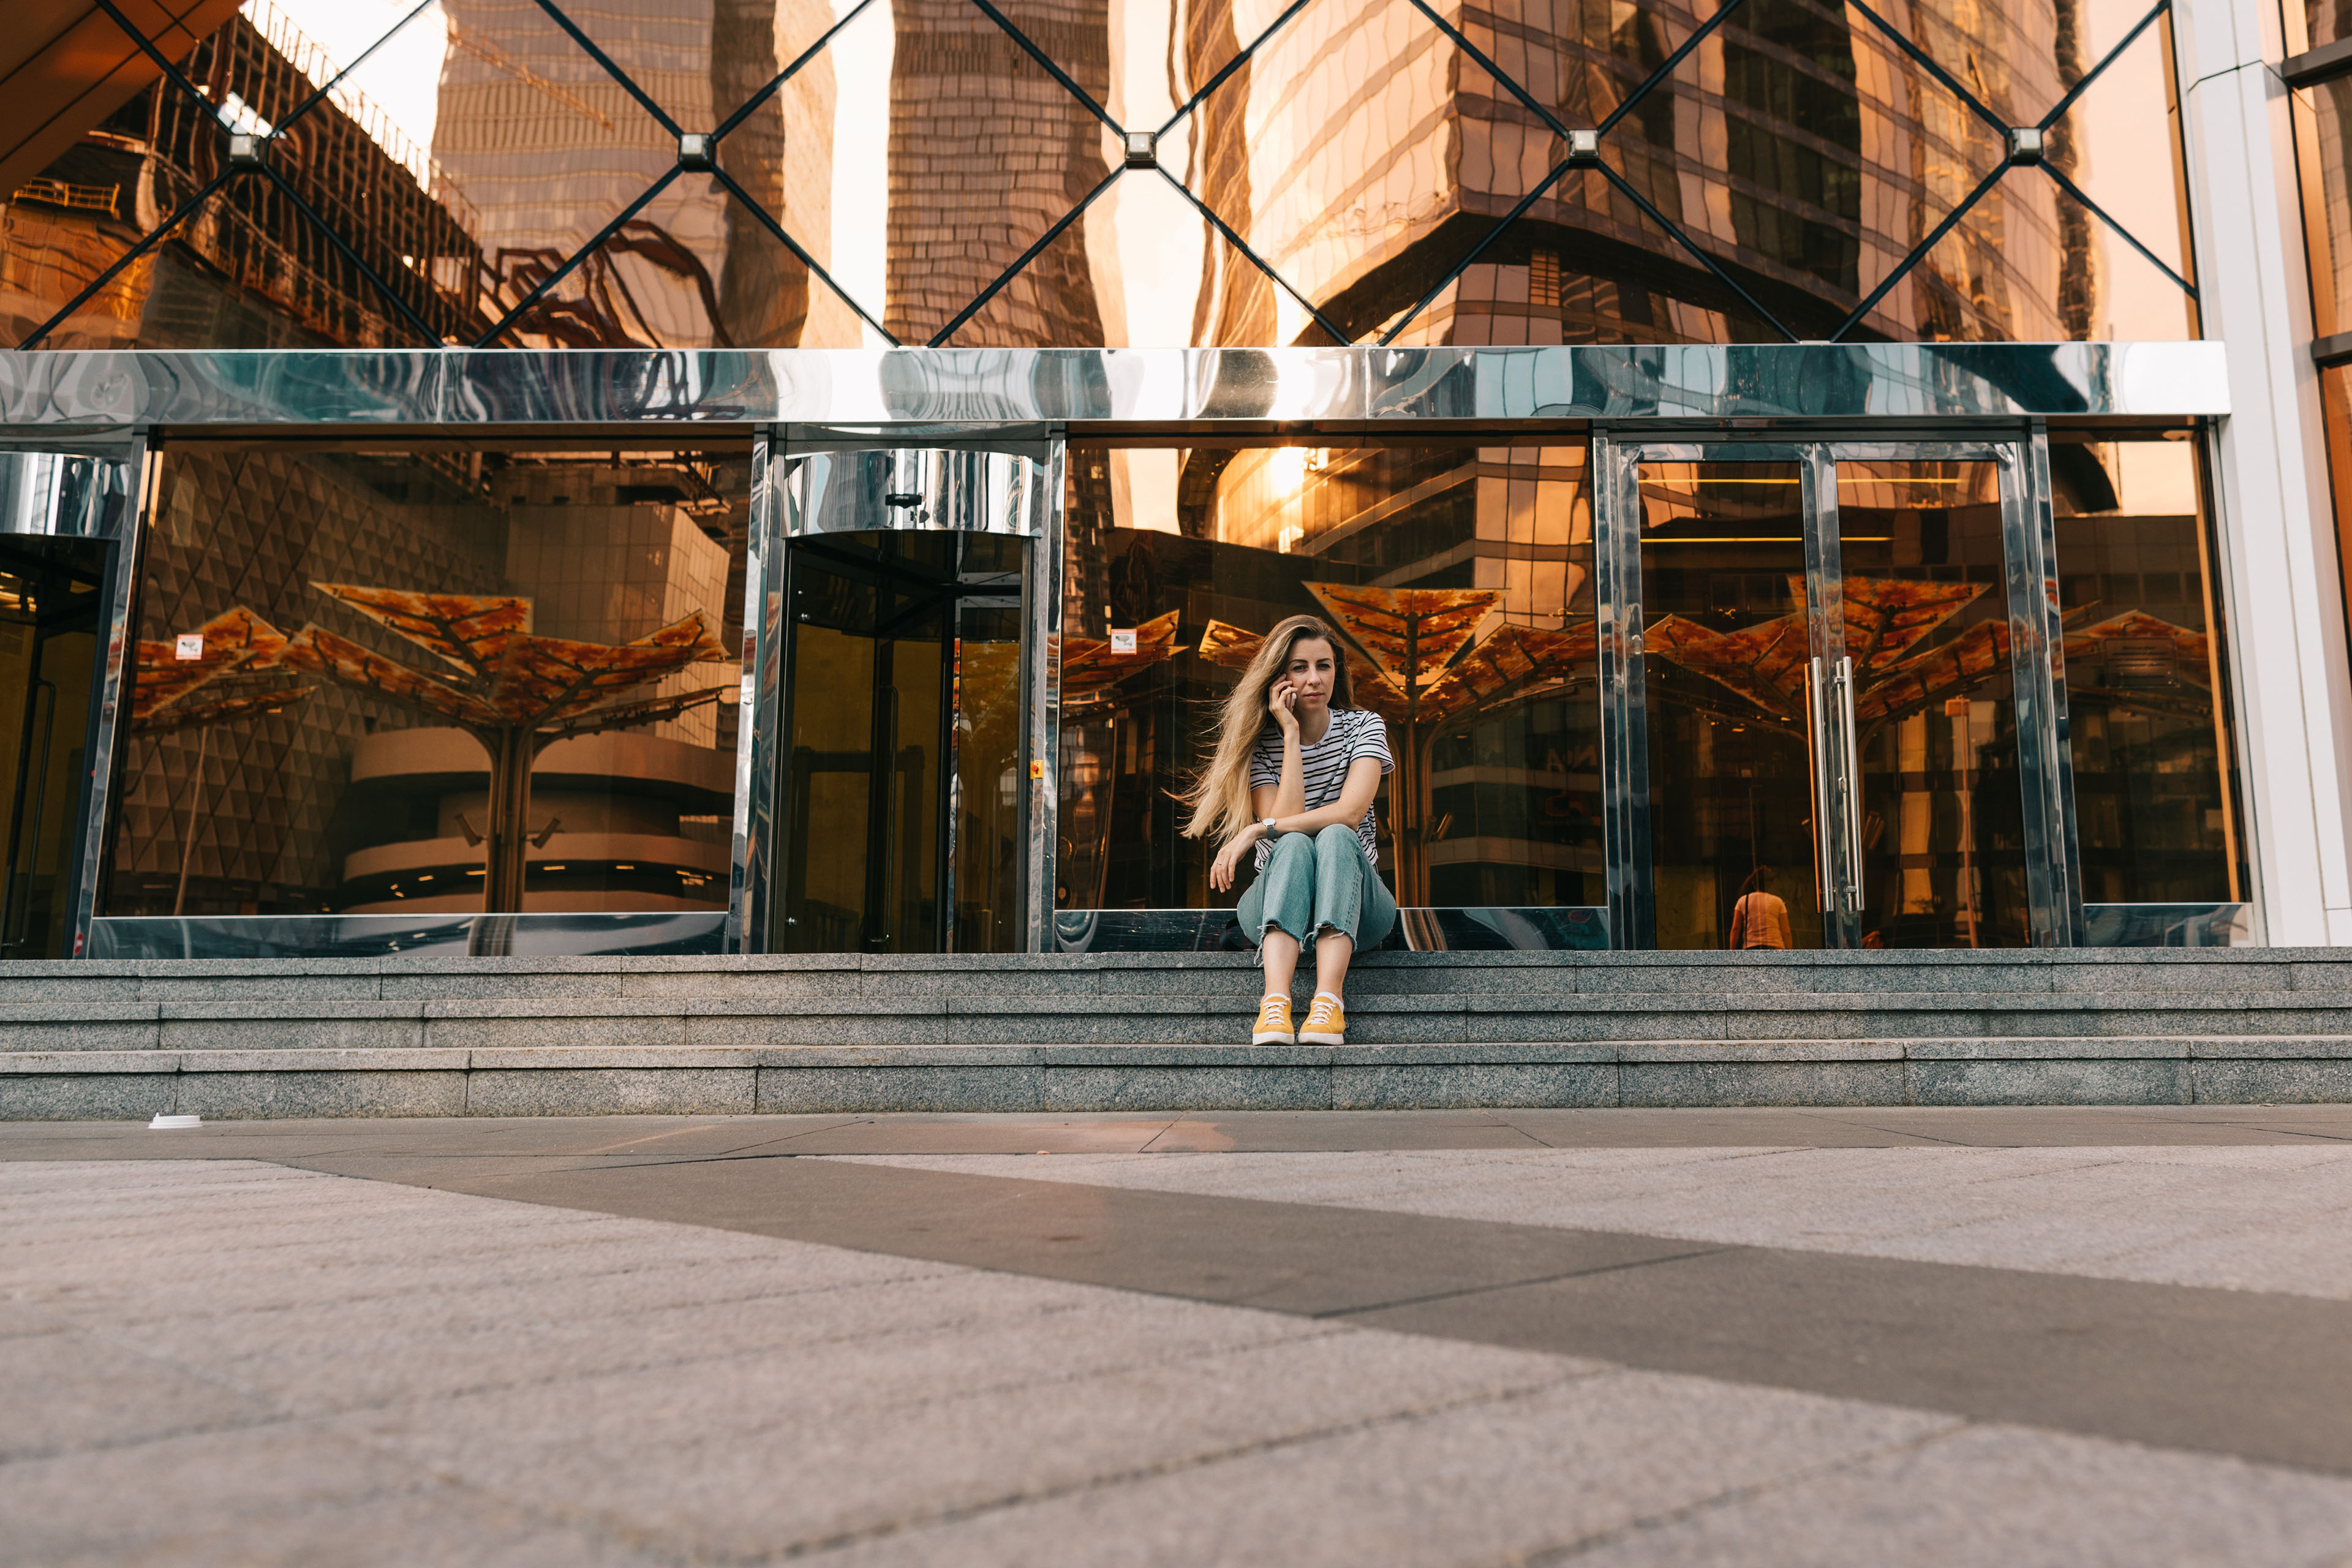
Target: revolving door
{"x": 906, "y": 814}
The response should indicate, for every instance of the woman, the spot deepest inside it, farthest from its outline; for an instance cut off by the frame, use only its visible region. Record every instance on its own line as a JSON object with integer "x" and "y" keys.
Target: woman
{"x": 1296, "y": 767}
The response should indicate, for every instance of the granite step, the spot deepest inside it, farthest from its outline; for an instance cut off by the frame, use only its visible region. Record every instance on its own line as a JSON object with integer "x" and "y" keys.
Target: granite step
{"x": 576, "y": 1080}
{"x": 260, "y": 1023}
{"x": 1163, "y": 1032}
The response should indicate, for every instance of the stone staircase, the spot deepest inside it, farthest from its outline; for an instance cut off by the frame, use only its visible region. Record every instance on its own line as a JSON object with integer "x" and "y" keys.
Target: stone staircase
{"x": 1158, "y": 1032}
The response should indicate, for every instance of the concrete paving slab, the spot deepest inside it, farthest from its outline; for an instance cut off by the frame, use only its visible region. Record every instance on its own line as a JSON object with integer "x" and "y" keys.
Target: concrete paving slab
{"x": 430, "y": 1375}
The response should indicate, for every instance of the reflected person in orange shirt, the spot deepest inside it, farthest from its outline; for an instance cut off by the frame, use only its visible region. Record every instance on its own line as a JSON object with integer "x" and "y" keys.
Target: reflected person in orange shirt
{"x": 1761, "y": 917}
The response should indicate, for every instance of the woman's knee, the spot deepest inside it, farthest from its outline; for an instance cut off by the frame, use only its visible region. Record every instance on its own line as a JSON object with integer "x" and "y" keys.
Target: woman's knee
{"x": 1289, "y": 846}
{"x": 1331, "y": 839}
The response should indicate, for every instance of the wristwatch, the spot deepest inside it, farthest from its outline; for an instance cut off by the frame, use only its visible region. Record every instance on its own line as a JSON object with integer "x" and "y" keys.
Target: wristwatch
{"x": 1271, "y": 830}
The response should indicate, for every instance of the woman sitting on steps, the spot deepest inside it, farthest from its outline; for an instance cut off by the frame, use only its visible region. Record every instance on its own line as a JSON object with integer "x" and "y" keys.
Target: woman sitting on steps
{"x": 1295, "y": 770}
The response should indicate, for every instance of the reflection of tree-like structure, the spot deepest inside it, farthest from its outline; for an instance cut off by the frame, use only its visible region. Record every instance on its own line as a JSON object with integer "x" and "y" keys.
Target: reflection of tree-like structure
{"x": 1093, "y": 679}
{"x": 515, "y": 693}
{"x": 2170, "y": 655}
{"x": 233, "y": 676}
{"x": 1091, "y": 672}
{"x": 603, "y": 314}
{"x": 1767, "y": 665}
{"x": 1416, "y": 659}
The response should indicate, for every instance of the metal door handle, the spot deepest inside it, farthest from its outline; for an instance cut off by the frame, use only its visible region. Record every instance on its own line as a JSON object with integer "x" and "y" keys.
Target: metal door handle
{"x": 1851, "y": 785}
{"x": 1820, "y": 749}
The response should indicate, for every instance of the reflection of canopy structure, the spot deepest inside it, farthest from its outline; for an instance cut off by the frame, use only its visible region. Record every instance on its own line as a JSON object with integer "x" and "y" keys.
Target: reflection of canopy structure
{"x": 235, "y": 677}
{"x": 515, "y": 693}
{"x": 1090, "y": 670}
{"x": 1416, "y": 660}
{"x": 2172, "y": 655}
{"x": 1885, "y": 618}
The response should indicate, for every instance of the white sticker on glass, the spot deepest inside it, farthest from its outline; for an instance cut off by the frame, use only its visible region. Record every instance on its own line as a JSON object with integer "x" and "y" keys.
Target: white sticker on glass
{"x": 189, "y": 644}
{"x": 1122, "y": 641}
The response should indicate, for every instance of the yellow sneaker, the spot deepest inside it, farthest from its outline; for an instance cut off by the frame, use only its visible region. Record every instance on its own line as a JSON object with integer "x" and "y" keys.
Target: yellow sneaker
{"x": 1326, "y": 1022}
{"x": 1274, "y": 1022}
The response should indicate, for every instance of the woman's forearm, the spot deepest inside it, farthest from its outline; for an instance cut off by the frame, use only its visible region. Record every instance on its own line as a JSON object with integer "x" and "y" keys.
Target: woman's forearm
{"x": 1290, "y": 790}
{"x": 1317, "y": 820}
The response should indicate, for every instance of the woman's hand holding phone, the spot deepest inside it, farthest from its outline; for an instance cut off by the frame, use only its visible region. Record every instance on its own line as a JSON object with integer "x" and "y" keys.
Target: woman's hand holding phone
{"x": 1282, "y": 702}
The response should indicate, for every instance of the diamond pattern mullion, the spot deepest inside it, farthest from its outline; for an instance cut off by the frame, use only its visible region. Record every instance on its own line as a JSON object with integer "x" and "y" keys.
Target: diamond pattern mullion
{"x": 1454, "y": 274}
{"x": 2111, "y": 148}
{"x": 1673, "y": 231}
{"x": 1241, "y": 58}
{"x": 1508, "y": 84}
{"x": 1663, "y": 72}
{"x": 610, "y": 67}
{"x": 1918, "y": 254}
{"x": 1928, "y": 63}
{"x": 318, "y": 95}
{"x": 171, "y": 72}
{"x": 1046, "y": 63}
{"x": 2092, "y": 75}
{"x": 1666, "y": 68}
{"x": 2096, "y": 211}
{"x": 149, "y": 241}
{"x": 980, "y": 300}
{"x": 990, "y": 146}
{"x": 1242, "y": 247}
{"x": 572, "y": 263}
{"x": 768, "y": 221}
{"x": 1314, "y": 173}
{"x": 351, "y": 258}
{"x": 751, "y": 105}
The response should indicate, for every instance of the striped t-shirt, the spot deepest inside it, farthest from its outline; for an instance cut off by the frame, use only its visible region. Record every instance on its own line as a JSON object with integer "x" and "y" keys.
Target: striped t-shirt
{"x": 1353, "y": 732}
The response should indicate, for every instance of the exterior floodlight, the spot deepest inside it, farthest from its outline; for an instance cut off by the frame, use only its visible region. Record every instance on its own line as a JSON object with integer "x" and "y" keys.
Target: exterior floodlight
{"x": 1142, "y": 149}
{"x": 2025, "y": 145}
{"x": 1584, "y": 146}
{"x": 246, "y": 149}
{"x": 696, "y": 155}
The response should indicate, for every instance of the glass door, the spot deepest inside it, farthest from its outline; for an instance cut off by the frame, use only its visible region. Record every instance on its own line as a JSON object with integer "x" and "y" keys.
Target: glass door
{"x": 1927, "y": 691}
{"x": 1830, "y": 728}
{"x": 1735, "y": 740}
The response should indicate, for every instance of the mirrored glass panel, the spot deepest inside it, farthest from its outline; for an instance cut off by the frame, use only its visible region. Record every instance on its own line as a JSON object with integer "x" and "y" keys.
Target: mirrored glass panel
{"x": 435, "y": 678}
{"x": 2144, "y": 668}
{"x": 1044, "y": 173}
{"x": 1457, "y": 576}
{"x": 1735, "y": 748}
{"x": 1941, "y": 849}
{"x": 50, "y": 593}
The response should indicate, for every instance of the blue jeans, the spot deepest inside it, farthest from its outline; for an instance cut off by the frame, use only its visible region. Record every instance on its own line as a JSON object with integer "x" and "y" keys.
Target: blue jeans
{"x": 1315, "y": 882}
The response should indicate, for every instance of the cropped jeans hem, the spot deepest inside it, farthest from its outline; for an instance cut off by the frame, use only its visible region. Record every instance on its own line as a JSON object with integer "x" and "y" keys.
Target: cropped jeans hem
{"x": 1311, "y": 883}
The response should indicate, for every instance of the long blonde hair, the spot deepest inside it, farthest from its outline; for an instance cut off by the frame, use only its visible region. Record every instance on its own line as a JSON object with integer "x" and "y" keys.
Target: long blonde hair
{"x": 1220, "y": 797}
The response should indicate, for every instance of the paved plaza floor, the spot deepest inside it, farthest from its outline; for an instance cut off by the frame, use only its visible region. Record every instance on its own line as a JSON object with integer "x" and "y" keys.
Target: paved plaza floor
{"x": 1986, "y": 1336}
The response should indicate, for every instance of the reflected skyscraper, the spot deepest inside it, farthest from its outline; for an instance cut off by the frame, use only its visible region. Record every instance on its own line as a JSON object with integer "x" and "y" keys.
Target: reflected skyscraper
{"x": 1799, "y": 148}
{"x": 550, "y": 148}
{"x": 986, "y": 151}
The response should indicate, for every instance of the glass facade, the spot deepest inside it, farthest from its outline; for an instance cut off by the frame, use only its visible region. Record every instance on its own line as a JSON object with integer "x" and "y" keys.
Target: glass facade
{"x": 1695, "y": 698}
{"x": 1075, "y": 173}
{"x": 2145, "y": 657}
{"x": 1459, "y": 577}
{"x": 434, "y": 679}
{"x": 2323, "y": 137}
